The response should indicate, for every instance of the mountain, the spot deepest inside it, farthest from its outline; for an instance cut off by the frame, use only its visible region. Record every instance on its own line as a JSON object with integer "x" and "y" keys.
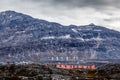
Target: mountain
{"x": 23, "y": 38}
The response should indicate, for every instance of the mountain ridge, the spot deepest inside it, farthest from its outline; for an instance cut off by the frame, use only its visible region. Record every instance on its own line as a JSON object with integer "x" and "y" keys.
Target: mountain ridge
{"x": 27, "y": 36}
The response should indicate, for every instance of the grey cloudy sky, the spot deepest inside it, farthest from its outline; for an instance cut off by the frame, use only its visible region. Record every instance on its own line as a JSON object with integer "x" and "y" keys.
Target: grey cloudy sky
{"x": 66, "y": 12}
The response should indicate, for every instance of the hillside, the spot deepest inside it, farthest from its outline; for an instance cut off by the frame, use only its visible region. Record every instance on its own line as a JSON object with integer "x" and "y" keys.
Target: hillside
{"x": 23, "y": 38}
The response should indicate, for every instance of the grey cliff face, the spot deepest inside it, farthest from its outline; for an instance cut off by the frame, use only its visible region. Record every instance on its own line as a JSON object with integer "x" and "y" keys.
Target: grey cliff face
{"x": 22, "y": 36}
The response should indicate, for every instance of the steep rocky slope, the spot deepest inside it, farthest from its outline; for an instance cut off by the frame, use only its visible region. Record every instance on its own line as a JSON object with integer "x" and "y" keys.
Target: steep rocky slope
{"x": 23, "y": 38}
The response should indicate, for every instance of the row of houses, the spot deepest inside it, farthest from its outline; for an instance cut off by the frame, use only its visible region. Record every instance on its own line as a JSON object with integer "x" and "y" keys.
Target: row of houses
{"x": 69, "y": 66}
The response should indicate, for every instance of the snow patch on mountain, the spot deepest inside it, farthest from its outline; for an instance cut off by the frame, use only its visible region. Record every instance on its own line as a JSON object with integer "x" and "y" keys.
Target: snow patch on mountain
{"x": 54, "y": 37}
{"x": 6, "y": 40}
{"x": 48, "y": 37}
{"x": 74, "y": 30}
{"x": 65, "y": 37}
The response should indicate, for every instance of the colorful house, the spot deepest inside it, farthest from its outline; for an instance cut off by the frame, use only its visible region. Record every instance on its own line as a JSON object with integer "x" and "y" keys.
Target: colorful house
{"x": 69, "y": 66}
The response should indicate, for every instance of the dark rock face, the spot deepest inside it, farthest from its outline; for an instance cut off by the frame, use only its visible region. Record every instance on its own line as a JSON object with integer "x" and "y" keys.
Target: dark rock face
{"x": 37, "y": 72}
{"x": 22, "y": 37}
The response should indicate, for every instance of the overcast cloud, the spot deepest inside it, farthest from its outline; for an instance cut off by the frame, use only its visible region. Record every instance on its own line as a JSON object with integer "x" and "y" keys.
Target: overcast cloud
{"x": 66, "y": 12}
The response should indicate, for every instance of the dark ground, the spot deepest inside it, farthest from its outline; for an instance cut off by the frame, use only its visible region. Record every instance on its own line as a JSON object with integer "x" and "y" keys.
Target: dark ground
{"x": 43, "y": 72}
